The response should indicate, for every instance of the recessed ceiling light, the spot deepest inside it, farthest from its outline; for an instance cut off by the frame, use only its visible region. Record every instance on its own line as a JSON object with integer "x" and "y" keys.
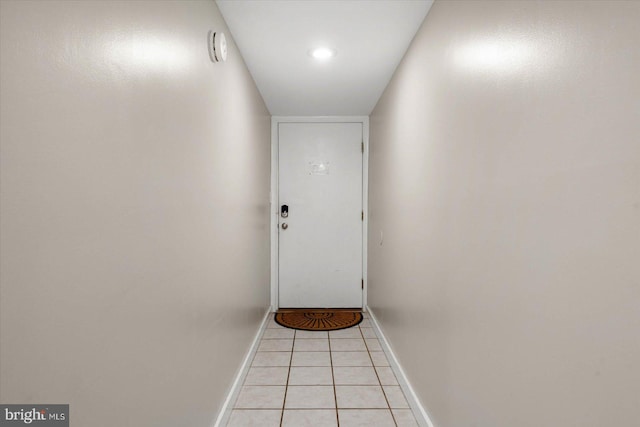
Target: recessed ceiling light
{"x": 322, "y": 53}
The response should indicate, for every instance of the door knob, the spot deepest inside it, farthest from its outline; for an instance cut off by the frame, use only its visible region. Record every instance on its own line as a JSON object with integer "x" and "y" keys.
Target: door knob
{"x": 285, "y": 226}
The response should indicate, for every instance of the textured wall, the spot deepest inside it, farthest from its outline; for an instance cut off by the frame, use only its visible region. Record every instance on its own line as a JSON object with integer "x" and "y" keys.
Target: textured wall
{"x": 505, "y": 178}
{"x": 135, "y": 191}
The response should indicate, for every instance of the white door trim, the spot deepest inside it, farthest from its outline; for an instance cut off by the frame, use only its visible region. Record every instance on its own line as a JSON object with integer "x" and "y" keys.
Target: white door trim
{"x": 275, "y": 204}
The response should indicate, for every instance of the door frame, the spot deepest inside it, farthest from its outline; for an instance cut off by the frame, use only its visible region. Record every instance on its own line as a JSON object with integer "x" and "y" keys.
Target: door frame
{"x": 275, "y": 203}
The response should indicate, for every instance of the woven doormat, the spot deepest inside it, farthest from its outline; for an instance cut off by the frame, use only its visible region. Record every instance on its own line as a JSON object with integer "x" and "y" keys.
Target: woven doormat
{"x": 318, "y": 319}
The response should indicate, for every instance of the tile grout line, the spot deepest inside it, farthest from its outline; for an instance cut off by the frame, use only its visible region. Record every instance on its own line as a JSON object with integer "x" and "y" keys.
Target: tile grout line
{"x": 333, "y": 380}
{"x": 286, "y": 387}
{"x": 378, "y": 377}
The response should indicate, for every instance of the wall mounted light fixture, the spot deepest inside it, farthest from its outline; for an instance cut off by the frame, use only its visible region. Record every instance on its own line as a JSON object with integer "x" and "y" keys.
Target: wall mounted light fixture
{"x": 217, "y": 46}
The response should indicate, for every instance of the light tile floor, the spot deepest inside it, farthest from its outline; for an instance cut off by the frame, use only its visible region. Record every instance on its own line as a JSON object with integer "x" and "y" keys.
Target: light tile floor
{"x": 339, "y": 378}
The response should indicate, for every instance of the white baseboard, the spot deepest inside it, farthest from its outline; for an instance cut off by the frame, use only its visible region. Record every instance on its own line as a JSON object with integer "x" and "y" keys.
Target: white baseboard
{"x": 418, "y": 410}
{"x": 225, "y": 411}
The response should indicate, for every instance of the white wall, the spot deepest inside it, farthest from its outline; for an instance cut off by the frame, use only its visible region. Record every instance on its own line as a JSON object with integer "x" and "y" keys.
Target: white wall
{"x": 134, "y": 222}
{"x": 505, "y": 176}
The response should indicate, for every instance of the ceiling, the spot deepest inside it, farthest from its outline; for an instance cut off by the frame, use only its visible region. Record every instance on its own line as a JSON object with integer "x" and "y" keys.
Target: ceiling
{"x": 370, "y": 38}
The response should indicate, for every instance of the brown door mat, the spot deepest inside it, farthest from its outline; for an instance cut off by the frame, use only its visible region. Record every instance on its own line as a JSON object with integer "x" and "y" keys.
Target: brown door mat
{"x": 318, "y": 319}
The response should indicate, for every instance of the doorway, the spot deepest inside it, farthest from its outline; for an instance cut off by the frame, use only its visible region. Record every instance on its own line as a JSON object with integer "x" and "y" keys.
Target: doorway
{"x": 319, "y": 213}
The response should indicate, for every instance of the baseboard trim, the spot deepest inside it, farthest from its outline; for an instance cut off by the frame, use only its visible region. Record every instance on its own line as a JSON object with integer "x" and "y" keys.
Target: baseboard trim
{"x": 422, "y": 417}
{"x": 225, "y": 412}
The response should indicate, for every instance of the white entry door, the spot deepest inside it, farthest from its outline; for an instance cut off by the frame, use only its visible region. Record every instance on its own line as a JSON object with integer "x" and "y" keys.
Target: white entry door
{"x": 320, "y": 220}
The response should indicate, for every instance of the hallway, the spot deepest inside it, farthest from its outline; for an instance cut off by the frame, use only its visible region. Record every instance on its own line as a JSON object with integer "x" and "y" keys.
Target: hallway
{"x": 306, "y": 378}
{"x": 494, "y": 211}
